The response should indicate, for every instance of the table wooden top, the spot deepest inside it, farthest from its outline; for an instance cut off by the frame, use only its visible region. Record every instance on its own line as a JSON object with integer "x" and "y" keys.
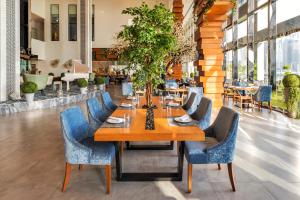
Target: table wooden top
{"x": 177, "y": 89}
{"x": 163, "y": 131}
{"x": 248, "y": 88}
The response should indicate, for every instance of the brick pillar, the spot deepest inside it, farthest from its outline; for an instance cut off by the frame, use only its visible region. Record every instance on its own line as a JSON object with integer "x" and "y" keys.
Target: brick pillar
{"x": 209, "y": 36}
{"x": 178, "y": 12}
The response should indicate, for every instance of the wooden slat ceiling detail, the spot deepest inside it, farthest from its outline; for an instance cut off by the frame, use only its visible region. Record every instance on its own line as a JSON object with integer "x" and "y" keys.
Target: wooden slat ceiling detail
{"x": 178, "y": 12}
{"x": 209, "y": 37}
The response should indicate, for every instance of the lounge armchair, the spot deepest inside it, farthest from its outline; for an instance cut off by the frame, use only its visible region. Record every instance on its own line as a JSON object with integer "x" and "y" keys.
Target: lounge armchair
{"x": 263, "y": 94}
{"x": 41, "y": 80}
{"x": 80, "y": 148}
{"x": 218, "y": 147}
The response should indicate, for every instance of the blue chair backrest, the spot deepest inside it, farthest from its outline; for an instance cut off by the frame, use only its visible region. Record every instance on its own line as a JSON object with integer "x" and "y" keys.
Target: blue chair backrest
{"x": 171, "y": 84}
{"x": 106, "y": 80}
{"x": 74, "y": 124}
{"x": 95, "y": 110}
{"x": 199, "y": 92}
{"x": 127, "y": 88}
{"x": 264, "y": 93}
{"x": 226, "y": 124}
{"x": 203, "y": 113}
{"x": 107, "y": 101}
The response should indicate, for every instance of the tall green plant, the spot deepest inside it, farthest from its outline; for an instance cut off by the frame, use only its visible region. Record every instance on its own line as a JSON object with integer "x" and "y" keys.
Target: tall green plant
{"x": 148, "y": 41}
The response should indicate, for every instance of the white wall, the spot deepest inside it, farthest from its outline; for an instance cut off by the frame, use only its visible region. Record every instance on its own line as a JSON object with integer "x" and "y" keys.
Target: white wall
{"x": 38, "y": 7}
{"x": 63, "y": 49}
{"x": 109, "y": 20}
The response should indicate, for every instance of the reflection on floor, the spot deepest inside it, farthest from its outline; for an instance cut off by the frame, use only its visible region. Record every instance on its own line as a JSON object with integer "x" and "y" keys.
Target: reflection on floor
{"x": 267, "y": 163}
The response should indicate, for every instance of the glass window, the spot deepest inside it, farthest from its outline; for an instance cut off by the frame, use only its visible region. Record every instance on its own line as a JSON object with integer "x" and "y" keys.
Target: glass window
{"x": 72, "y": 12}
{"x": 241, "y": 2}
{"x": 242, "y": 64}
{"x": 228, "y": 35}
{"x": 287, "y": 9}
{"x": 287, "y": 55}
{"x": 54, "y": 22}
{"x": 262, "y": 18}
{"x": 242, "y": 29}
{"x": 228, "y": 63}
{"x": 262, "y": 63}
{"x": 261, "y": 2}
{"x": 93, "y": 22}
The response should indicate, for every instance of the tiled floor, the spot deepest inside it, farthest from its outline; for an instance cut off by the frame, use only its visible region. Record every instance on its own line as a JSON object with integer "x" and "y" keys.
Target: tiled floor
{"x": 267, "y": 163}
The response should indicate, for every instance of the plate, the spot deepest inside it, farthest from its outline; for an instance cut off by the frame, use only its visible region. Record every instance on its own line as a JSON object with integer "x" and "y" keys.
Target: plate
{"x": 169, "y": 98}
{"x": 115, "y": 120}
{"x": 131, "y": 98}
{"x": 126, "y": 105}
{"x": 173, "y": 104}
{"x": 183, "y": 119}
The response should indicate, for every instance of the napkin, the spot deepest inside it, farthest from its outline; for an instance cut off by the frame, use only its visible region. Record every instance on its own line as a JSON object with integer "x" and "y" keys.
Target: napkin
{"x": 115, "y": 119}
{"x": 184, "y": 118}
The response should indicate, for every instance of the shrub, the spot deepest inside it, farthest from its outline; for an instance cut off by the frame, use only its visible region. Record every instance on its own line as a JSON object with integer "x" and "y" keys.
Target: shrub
{"x": 292, "y": 100}
{"x": 29, "y": 87}
{"x": 192, "y": 75}
{"x": 100, "y": 80}
{"x": 291, "y": 80}
{"x": 82, "y": 83}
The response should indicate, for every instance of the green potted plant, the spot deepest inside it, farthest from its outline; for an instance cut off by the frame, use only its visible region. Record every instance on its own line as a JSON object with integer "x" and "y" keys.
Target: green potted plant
{"x": 100, "y": 82}
{"x": 29, "y": 89}
{"x": 291, "y": 85}
{"x": 82, "y": 84}
{"x": 192, "y": 75}
{"x": 146, "y": 44}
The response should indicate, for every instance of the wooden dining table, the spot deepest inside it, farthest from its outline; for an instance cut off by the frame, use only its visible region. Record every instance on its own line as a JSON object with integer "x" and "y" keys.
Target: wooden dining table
{"x": 164, "y": 131}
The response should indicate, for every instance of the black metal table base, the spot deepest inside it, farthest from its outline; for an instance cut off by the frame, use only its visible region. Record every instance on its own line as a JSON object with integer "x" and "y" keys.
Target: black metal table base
{"x": 150, "y": 176}
{"x": 150, "y": 147}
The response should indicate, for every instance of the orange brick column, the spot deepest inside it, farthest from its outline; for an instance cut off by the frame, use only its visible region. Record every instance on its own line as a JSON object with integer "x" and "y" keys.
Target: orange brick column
{"x": 178, "y": 12}
{"x": 209, "y": 36}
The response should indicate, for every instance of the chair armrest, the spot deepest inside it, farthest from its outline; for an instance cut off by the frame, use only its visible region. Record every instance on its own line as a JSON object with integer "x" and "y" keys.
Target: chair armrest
{"x": 209, "y": 132}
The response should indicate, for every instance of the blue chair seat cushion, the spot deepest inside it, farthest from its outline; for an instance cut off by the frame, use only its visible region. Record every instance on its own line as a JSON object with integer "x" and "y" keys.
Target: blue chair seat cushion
{"x": 195, "y": 152}
{"x": 102, "y": 153}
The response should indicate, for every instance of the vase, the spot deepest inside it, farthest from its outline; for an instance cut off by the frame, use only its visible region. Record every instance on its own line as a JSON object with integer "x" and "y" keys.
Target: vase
{"x": 150, "y": 119}
{"x": 102, "y": 87}
{"x": 83, "y": 90}
{"x": 29, "y": 97}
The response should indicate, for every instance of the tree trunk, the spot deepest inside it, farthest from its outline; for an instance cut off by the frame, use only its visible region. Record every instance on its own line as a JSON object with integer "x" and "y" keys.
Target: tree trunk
{"x": 149, "y": 94}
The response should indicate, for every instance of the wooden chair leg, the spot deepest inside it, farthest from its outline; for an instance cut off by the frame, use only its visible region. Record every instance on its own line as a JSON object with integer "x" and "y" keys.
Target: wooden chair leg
{"x": 219, "y": 167}
{"x": 67, "y": 177}
{"x": 270, "y": 106}
{"x": 230, "y": 173}
{"x": 108, "y": 178}
{"x": 190, "y": 180}
{"x": 80, "y": 167}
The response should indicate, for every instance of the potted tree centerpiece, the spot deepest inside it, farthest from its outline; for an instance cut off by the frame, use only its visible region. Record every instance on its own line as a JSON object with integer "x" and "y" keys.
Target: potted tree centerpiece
{"x": 145, "y": 45}
{"x": 29, "y": 89}
{"x": 100, "y": 82}
{"x": 82, "y": 84}
{"x": 291, "y": 85}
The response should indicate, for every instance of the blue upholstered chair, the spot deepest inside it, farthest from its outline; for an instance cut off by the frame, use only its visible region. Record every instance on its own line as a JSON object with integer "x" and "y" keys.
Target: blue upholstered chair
{"x": 96, "y": 113}
{"x": 80, "y": 148}
{"x": 189, "y": 103}
{"x": 199, "y": 92}
{"x": 107, "y": 101}
{"x": 263, "y": 94}
{"x": 171, "y": 84}
{"x": 218, "y": 147}
{"x": 203, "y": 113}
{"x": 127, "y": 88}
